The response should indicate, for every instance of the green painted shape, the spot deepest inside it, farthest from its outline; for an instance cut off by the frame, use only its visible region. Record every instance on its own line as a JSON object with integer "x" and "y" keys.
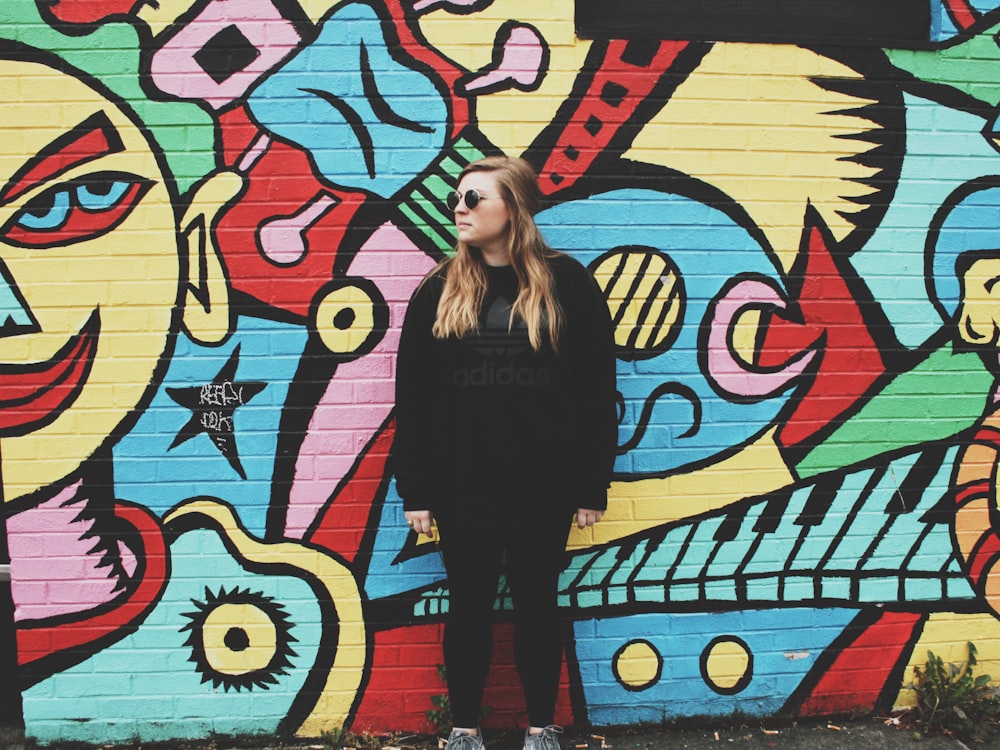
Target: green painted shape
{"x": 972, "y": 67}
{"x": 110, "y": 53}
{"x": 943, "y": 395}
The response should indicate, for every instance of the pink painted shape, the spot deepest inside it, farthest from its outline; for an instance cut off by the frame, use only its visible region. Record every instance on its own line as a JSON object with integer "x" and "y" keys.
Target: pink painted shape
{"x": 175, "y": 71}
{"x": 521, "y": 60}
{"x": 361, "y": 394}
{"x": 728, "y": 371}
{"x": 54, "y": 566}
{"x": 253, "y": 154}
{"x": 283, "y": 240}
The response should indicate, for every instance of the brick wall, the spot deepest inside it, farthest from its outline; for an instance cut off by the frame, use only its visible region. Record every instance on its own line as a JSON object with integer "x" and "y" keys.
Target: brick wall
{"x": 212, "y": 215}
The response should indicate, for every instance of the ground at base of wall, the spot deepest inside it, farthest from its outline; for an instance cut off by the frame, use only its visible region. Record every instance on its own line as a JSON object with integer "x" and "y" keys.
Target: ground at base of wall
{"x": 865, "y": 733}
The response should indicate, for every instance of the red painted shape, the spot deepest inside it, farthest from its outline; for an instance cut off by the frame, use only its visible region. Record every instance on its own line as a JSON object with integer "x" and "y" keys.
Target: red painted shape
{"x": 987, "y": 434}
{"x": 342, "y": 523}
{"x": 403, "y": 678}
{"x": 962, "y": 13}
{"x": 32, "y": 395}
{"x": 91, "y": 11}
{"x": 983, "y": 557}
{"x": 38, "y": 640}
{"x": 617, "y": 88}
{"x": 859, "y": 675}
{"x": 86, "y": 146}
{"x": 829, "y": 318}
{"x": 237, "y": 134}
{"x": 972, "y": 491}
{"x": 279, "y": 184}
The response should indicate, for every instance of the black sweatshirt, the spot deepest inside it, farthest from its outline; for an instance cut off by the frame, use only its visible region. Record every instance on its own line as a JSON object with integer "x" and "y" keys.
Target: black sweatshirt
{"x": 490, "y": 432}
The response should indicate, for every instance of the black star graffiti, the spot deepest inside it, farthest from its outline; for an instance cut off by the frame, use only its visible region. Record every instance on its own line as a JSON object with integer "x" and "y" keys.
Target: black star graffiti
{"x": 212, "y": 406}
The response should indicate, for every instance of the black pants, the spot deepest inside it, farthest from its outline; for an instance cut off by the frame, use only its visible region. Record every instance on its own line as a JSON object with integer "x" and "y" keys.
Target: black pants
{"x": 472, "y": 558}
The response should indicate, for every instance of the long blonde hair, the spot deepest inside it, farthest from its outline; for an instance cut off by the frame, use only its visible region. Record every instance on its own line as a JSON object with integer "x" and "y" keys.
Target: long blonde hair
{"x": 465, "y": 281}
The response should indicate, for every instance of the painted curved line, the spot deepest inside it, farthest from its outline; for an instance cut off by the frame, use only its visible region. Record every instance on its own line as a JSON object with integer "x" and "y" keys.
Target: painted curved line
{"x": 616, "y": 666}
{"x": 37, "y": 640}
{"x": 378, "y": 103}
{"x": 354, "y": 121}
{"x": 672, "y": 389}
{"x": 339, "y": 682}
{"x": 35, "y": 394}
{"x": 732, "y": 374}
{"x": 745, "y": 678}
{"x": 978, "y": 338}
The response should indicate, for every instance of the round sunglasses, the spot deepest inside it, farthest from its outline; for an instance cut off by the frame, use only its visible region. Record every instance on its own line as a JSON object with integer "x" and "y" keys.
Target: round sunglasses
{"x": 471, "y": 197}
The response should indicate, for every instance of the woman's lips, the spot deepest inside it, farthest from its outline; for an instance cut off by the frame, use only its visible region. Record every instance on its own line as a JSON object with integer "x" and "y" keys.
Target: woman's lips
{"x": 32, "y": 395}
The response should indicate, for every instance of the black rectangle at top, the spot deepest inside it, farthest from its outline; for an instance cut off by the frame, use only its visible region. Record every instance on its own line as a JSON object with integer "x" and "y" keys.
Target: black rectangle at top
{"x": 901, "y": 23}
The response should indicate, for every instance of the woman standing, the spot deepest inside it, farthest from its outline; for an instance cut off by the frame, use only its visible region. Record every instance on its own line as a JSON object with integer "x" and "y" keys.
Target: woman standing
{"x": 505, "y": 427}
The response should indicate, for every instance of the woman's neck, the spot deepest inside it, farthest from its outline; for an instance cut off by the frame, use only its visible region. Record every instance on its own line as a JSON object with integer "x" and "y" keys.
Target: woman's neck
{"x": 495, "y": 256}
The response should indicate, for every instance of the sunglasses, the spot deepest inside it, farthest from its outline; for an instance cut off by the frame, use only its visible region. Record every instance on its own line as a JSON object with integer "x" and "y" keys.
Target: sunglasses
{"x": 472, "y": 198}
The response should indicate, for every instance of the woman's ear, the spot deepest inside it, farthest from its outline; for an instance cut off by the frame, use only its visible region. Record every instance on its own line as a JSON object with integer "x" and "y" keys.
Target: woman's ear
{"x": 207, "y": 317}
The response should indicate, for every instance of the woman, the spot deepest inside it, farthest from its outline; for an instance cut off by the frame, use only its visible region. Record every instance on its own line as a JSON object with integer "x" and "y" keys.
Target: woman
{"x": 505, "y": 427}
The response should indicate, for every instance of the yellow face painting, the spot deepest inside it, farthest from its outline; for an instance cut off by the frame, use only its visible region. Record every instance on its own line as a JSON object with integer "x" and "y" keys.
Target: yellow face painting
{"x": 86, "y": 304}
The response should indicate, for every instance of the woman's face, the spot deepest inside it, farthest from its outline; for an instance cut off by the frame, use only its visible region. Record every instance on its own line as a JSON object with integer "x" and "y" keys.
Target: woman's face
{"x": 488, "y": 224}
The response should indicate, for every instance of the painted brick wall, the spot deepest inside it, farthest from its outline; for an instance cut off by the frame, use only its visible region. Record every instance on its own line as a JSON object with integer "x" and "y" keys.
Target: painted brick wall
{"x": 212, "y": 215}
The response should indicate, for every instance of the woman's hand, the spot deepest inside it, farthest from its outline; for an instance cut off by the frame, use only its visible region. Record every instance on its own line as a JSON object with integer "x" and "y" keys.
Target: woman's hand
{"x": 586, "y": 517}
{"x": 420, "y": 521}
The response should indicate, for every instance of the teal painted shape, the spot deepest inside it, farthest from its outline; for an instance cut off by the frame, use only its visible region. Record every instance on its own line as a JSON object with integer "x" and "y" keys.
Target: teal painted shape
{"x": 874, "y": 535}
{"x": 945, "y": 148}
{"x": 118, "y": 694}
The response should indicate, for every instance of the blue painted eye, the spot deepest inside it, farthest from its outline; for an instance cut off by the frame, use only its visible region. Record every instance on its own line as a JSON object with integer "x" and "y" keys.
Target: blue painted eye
{"x": 100, "y": 196}
{"x": 76, "y": 210}
{"x": 48, "y": 211}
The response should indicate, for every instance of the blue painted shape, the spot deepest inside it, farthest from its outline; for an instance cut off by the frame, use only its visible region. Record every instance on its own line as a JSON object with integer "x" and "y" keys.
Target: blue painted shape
{"x": 680, "y": 639}
{"x": 370, "y": 117}
{"x": 835, "y": 587}
{"x": 880, "y": 589}
{"x": 131, "y": 676}
{"x": 958, "y": 586}
{"x": 13, "y": 309}
{"x": 709, "y": 248}
{"x": 148, "y": 471}
{"x": 387, "y": 575}
{"x": 799, "y": 588}
{"x": 943, "y": 28}
{"x": 972, "y": 226}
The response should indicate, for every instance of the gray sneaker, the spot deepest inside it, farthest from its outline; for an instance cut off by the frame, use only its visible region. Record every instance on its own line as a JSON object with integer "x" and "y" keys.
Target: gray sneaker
{"x": 544, "y": 740}
{"x": 464, "y": 741}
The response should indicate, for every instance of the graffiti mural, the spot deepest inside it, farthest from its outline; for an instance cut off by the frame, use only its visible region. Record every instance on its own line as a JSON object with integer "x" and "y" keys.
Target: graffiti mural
{"x": 212, "y": 216}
